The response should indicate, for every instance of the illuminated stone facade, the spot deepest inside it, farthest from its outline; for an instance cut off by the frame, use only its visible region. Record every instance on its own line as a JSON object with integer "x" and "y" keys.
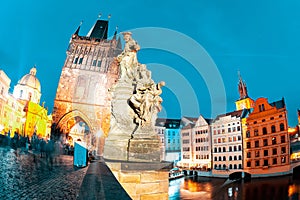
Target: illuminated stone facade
{"x": 82, "y": 103}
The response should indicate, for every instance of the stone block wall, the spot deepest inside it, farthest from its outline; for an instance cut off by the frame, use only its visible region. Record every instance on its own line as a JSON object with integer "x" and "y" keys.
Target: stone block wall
{"x": 142, "y": 184}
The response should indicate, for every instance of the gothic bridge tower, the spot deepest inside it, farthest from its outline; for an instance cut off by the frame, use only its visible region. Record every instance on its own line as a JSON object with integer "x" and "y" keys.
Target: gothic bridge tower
{"x": 82, "y": 103}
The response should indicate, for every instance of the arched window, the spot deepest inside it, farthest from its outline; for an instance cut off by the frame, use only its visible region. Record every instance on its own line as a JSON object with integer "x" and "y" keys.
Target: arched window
{"x": 224, "y": 158}
{"x": 216, "y": 158}
{"x": 216, "y": 166}
{"x": 235, "y": 166}
{"x": 281, "y": 127}
{"x": 273, "y": 129}
{"x": 224, "y": 166}
{"x": 220, "y": 149}
{"x": 240, "y": 148}
{"x": 247, "y": 134}
{"x": 224, "y": 149}
{"x": 230, "y": 157}
{"x": 265, "y": 130}
{"x": 220, "y": 158}
{"x": 240, "y": 157}
{"x": 234, "y": 158}
{"x": 234, "y": 148}
{"x": 219, "y": 166}
{"x": 216, "y": 150}
{"x": 230, "y": 149}
{"x": 240, "y": 166}
{"x": 230, "y": 166}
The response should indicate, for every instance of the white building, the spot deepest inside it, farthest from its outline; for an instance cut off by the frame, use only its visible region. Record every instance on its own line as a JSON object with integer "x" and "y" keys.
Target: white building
{"x": 227, "y": 146}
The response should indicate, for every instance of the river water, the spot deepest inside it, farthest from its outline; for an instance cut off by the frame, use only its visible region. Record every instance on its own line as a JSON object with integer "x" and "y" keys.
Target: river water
{"x": 201, "y": 188}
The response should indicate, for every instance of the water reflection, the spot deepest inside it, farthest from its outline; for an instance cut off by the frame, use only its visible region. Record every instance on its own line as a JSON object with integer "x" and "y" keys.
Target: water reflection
{"x": 279, "y": 188}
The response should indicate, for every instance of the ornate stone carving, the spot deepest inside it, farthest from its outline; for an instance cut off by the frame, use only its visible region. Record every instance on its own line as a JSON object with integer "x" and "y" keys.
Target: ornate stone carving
{"x": 135, "y": 103}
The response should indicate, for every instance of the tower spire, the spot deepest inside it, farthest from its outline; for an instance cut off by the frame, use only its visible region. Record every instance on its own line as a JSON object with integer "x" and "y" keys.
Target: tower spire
{"x": 242, "y": 87}
{"x": 77, "y": 31}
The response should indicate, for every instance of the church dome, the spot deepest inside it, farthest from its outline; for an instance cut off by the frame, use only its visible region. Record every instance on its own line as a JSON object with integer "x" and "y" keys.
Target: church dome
{"x": 31, "y": 80}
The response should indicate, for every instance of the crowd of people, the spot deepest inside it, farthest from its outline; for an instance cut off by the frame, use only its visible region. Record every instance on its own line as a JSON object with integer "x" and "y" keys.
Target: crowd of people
{"x": 47, "y": 148}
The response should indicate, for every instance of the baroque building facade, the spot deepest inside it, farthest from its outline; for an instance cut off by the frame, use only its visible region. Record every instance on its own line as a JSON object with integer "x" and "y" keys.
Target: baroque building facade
{"x": 82, "y": 104}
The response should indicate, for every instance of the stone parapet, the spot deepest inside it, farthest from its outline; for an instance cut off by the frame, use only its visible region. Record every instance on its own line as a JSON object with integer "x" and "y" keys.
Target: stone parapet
{"x": 142, "y": 181}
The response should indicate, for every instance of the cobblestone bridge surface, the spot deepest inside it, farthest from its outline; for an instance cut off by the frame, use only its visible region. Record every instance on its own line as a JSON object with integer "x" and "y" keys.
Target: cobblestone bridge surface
{"x": 24, "y": 175}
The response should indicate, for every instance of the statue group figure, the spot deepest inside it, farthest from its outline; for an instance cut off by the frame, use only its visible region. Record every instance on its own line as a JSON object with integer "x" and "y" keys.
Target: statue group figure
{"x": 145, "y": 100}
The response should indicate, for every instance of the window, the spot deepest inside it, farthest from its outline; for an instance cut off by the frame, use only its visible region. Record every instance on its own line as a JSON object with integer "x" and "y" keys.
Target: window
{"x": 224, "y": 166}
{"x": 99, "y": 63}
{"x": 230, "y": 157}
{"x": 80, "y": 60}
{"x": 224, "y": 149}
{"x": 283, "y": 160}
{"x": 216, "y": 166}
{"x": 240, "y": 148}
{"x": 274, "y": 161}
{"x": 224, "y": 158}
{"x": 216, "y": 150}
{"x": 255, "y": 132}
{"x": 238, "y": 128}
{"x": 216, "y": 158}
{"x": 240, "y": 157}
{"x": 229, "y": 139}
{"x": 256, "y": 153}
{"x": 240, "y": 166}
{"x": 230, "y": 149}
{"x": 261, "y": 107}
{"x": 282, "y": 139}
{"x": 274, "y": 151}
{"x": 247, "y": 134}
{"x": 229, "y": 130}
{"x": 266, "y": 152}
{"x": 234, "y": 158}
{"x": 94, "y": 63}
{"x": 234, "y": 148}
{"x": 256, "y": 143}
{"x": 76, "y": 60}
{"x": 248, "y": 164}
{"x": 273, "y": 140}
{"x": 235, "y": 166}
{"x": 273, "y": 129}
{"x": 264, "y": 130}
{"x": 266, "y": 163}
{"x": 281, "y": 127}
{"x": 239, "y": 137}
{"x": 283, "y": 150}
{"x": 272, "y": 118}
{"x": 248, "y": 154}
{"x": 220, "y": 158}
{"x": 220, "y": 150}
{"x": 256, "y": 163}
{"x": 265, "y": 142}
{"x": 230, "y": 166}
{"x": 248, "y": 145}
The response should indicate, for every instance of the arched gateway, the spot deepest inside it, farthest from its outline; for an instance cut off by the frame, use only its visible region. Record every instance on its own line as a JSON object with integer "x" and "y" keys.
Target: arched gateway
{"x": 82, "y": 106}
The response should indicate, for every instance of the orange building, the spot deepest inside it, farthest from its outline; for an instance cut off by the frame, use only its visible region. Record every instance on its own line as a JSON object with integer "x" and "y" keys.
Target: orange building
{"x": 266, "y": 140}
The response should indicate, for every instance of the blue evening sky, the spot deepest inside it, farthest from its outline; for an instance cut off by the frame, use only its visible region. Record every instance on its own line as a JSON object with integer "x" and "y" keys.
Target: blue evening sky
{"x": 196, "y": 46}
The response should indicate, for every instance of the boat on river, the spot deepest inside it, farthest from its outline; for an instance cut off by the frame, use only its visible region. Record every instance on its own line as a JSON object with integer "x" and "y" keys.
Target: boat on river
{"x": 175, "y": 173}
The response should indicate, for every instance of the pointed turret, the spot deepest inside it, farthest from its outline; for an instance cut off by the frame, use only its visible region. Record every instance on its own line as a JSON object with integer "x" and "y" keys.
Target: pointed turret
{"x": 242, "y": 87}
{"x": 77, "y": 31}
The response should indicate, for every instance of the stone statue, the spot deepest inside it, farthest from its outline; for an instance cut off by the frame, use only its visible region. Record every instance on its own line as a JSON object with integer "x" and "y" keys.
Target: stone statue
{"x": 128, "y": 59}
{"x": 146, "y": 102}
{"x": 135, "y": 103}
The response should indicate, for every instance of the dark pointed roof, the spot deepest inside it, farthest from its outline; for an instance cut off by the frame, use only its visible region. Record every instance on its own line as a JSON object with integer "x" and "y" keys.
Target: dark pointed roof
{"x": 168, "y": 123}
{"x": 278, "y": 104}
{"x": 99, "y": 30}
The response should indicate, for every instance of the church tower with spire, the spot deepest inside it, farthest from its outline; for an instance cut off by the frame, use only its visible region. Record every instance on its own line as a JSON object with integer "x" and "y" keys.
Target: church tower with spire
{"x": 82, "y": 103}
{"x": 244, "y": 102}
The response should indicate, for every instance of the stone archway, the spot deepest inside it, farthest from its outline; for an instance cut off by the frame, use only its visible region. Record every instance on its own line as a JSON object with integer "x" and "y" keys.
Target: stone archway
{"x": 75, "y": 126}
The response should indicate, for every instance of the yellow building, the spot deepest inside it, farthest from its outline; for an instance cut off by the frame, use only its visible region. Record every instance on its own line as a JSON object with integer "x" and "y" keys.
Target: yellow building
{"x": 21, "y": 111}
